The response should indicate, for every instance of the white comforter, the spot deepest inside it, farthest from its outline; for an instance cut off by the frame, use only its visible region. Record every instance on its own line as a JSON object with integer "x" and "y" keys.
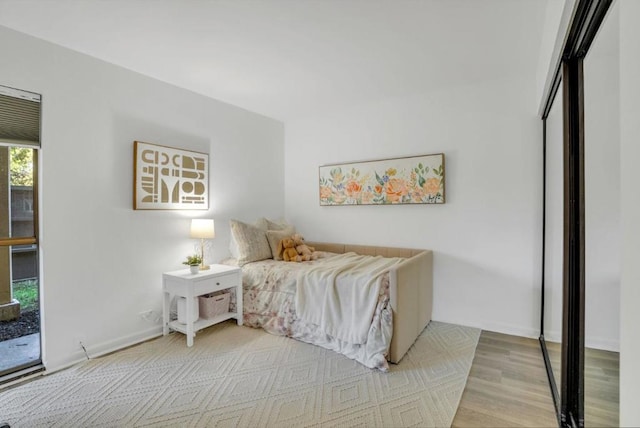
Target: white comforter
{"x": 270, "y": 289}
{"x": 341, "y": 294}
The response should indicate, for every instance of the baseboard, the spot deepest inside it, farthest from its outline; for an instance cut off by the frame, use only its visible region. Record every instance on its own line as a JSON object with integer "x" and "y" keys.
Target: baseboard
{"x": 52, "y": 366}
{"x": 553, "y": 336}
{"x": 98, "y": 350}
{"x": 497, "y": 327}
{"x": 101, "y": 349}
{"x": 532, "y": 333}
{"x": 602, "y": 344}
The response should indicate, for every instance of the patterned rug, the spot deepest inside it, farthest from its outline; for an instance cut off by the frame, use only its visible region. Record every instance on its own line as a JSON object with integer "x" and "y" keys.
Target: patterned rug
{"x": 239, "y": 376}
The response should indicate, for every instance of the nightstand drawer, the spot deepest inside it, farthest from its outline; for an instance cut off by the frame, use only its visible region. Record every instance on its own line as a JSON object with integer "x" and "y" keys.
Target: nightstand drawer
{"x": 221, "y": 282}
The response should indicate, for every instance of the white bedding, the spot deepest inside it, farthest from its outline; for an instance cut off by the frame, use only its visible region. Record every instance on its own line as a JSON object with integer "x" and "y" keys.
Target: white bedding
{"x": 270, "y": 289}
{"x": 340, "y": 295}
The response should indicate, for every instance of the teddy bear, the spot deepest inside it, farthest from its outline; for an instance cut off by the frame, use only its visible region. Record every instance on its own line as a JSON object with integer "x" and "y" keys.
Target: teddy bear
{"x": 306, "y": 252}
{"x": 287, "y": 250}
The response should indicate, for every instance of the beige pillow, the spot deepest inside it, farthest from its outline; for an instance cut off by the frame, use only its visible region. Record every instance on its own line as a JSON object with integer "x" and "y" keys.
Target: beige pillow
{"x": 266, "y": 224}
{"x": 261, "y": 223}
{"x": 275, "y": 236}
{"x": 251, "y": 241}
{"x": 233, "y": 245}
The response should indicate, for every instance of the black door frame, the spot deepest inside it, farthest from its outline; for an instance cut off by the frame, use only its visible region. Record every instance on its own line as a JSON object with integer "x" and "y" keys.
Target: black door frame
{"x": 586, "y": 20}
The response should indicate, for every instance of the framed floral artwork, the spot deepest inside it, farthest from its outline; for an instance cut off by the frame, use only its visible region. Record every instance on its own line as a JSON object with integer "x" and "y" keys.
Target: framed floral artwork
{"x": 166, "y": 178}
{"x": 407, "y": 180}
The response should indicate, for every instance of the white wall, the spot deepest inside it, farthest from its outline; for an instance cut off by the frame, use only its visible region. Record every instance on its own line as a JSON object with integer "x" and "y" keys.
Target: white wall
{"x": 630, "y": 214}
{"x": 102, "y": 261}
{"x": 486, "y": 238}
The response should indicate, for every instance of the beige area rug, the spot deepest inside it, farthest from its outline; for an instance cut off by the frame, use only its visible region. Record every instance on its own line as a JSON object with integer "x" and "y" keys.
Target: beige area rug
{"x": 239, "y": 376}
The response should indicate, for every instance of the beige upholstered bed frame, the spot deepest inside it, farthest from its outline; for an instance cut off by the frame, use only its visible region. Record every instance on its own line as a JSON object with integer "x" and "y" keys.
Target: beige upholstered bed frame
{"x": 411, "y": 291}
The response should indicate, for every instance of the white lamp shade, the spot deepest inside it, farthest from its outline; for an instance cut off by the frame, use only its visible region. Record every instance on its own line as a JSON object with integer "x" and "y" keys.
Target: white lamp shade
{"x": 202, "y": 228}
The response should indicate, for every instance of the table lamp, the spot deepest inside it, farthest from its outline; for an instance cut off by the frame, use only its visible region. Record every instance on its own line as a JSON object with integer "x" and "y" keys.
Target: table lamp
{"x": 202, "y": 228}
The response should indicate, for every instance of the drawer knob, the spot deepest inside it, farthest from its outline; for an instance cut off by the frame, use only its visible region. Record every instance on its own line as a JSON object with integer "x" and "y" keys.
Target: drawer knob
{"x": 217, "y": 283}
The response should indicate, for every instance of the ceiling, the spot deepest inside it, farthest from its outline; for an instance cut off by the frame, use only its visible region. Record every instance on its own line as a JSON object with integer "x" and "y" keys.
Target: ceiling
{"x": 290, "y": 58}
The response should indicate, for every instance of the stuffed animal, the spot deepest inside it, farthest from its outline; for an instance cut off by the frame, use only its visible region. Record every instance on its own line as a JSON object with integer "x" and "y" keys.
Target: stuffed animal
{"x": 287, "y": 250}
{"x": 306, "y": 252}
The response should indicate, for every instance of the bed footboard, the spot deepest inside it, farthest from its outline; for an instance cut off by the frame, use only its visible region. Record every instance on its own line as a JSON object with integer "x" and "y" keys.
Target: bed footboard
{"x": 411, "y": 291}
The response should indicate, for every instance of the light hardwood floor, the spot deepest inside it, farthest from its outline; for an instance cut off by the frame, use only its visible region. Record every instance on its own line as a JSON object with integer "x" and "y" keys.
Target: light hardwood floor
{"x": 601, "y": 388}
{"x": 601, "y": 384}
{"x": 507, "y": 385}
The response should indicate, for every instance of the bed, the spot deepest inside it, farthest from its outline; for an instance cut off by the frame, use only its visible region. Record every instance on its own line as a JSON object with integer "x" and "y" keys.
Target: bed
{"x": 318, "y": 302}
{"x": 402, "y": 307}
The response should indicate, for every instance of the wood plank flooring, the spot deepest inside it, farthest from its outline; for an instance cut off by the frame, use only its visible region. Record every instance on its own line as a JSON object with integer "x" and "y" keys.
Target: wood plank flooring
{"x": 601, "y": 388}
{"x": 601, "y": 384}
{"x": 508, "y": 387}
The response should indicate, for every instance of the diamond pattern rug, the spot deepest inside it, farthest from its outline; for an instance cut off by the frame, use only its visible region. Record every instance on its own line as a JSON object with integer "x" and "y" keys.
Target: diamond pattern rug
{"x": 239, "y": 376}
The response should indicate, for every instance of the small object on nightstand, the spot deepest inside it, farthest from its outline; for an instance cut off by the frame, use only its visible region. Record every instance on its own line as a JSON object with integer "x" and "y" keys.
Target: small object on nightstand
{"x": 202, "y": 228}
{"x": 182, "y": 283}
{"x": 194, "y": 263}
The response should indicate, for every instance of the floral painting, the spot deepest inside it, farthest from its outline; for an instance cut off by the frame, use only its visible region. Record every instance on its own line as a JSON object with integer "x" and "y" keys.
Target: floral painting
{"x": 409, "y": 180}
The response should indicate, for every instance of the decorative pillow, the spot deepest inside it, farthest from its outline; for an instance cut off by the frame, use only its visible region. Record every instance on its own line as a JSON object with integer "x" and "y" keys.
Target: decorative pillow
{"x": 261, "y": 223}
{"x": 233, "y": 244}
{"x": 233, "y": 247}
{"x": 275, "y": 236}
{"x": 251, "y": 241}
{"x": 266, "y": 224}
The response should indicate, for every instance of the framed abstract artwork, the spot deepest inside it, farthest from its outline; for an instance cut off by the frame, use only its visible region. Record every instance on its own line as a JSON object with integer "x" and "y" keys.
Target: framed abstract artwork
{"x": 166, "y": 178}
{"x": 407, "y": 180}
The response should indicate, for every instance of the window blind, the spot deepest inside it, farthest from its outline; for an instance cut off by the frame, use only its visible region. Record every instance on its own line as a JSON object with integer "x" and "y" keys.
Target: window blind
{"x": 19, "y": 117}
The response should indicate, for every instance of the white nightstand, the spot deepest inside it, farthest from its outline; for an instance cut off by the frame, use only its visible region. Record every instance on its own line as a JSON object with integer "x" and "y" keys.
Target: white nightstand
{"x": 183, "y": 283}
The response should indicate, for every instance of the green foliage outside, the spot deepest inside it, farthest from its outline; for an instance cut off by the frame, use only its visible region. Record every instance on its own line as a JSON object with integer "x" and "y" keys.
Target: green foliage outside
{"x": 21, "y": 166}
{"x": 26, "y": 292}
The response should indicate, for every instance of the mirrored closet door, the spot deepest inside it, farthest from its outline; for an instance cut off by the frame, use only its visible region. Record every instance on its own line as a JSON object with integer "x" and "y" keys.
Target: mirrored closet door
{"x": 553, "y": 212}
{"x": 602, "y": 225}
{"x": 581, "y": 239}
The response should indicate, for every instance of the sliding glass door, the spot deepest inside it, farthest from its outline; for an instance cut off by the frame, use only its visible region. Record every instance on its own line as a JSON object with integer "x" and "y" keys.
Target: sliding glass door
{"x": 20, "y": 349}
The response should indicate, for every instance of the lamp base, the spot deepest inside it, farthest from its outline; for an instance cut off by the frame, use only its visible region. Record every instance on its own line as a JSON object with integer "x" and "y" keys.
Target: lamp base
{"x": 202, "y": 265}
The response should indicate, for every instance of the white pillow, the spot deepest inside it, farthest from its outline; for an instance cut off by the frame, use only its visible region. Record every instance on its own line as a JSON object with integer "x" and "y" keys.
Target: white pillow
{"x": 251, "y": 242}
{"x": 275, "y": 236}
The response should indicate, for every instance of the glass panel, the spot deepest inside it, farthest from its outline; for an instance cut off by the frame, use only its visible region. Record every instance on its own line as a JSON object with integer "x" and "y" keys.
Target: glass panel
{"x": 20, "y": 313}
{"x": 553, "y": 236}
{"x": 21, "y": 178}
{"x": 602, "y": 225}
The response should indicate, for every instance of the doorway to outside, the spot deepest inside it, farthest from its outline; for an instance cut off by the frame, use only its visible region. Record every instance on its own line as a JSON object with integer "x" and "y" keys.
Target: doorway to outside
{"x": 20, "y": 349}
